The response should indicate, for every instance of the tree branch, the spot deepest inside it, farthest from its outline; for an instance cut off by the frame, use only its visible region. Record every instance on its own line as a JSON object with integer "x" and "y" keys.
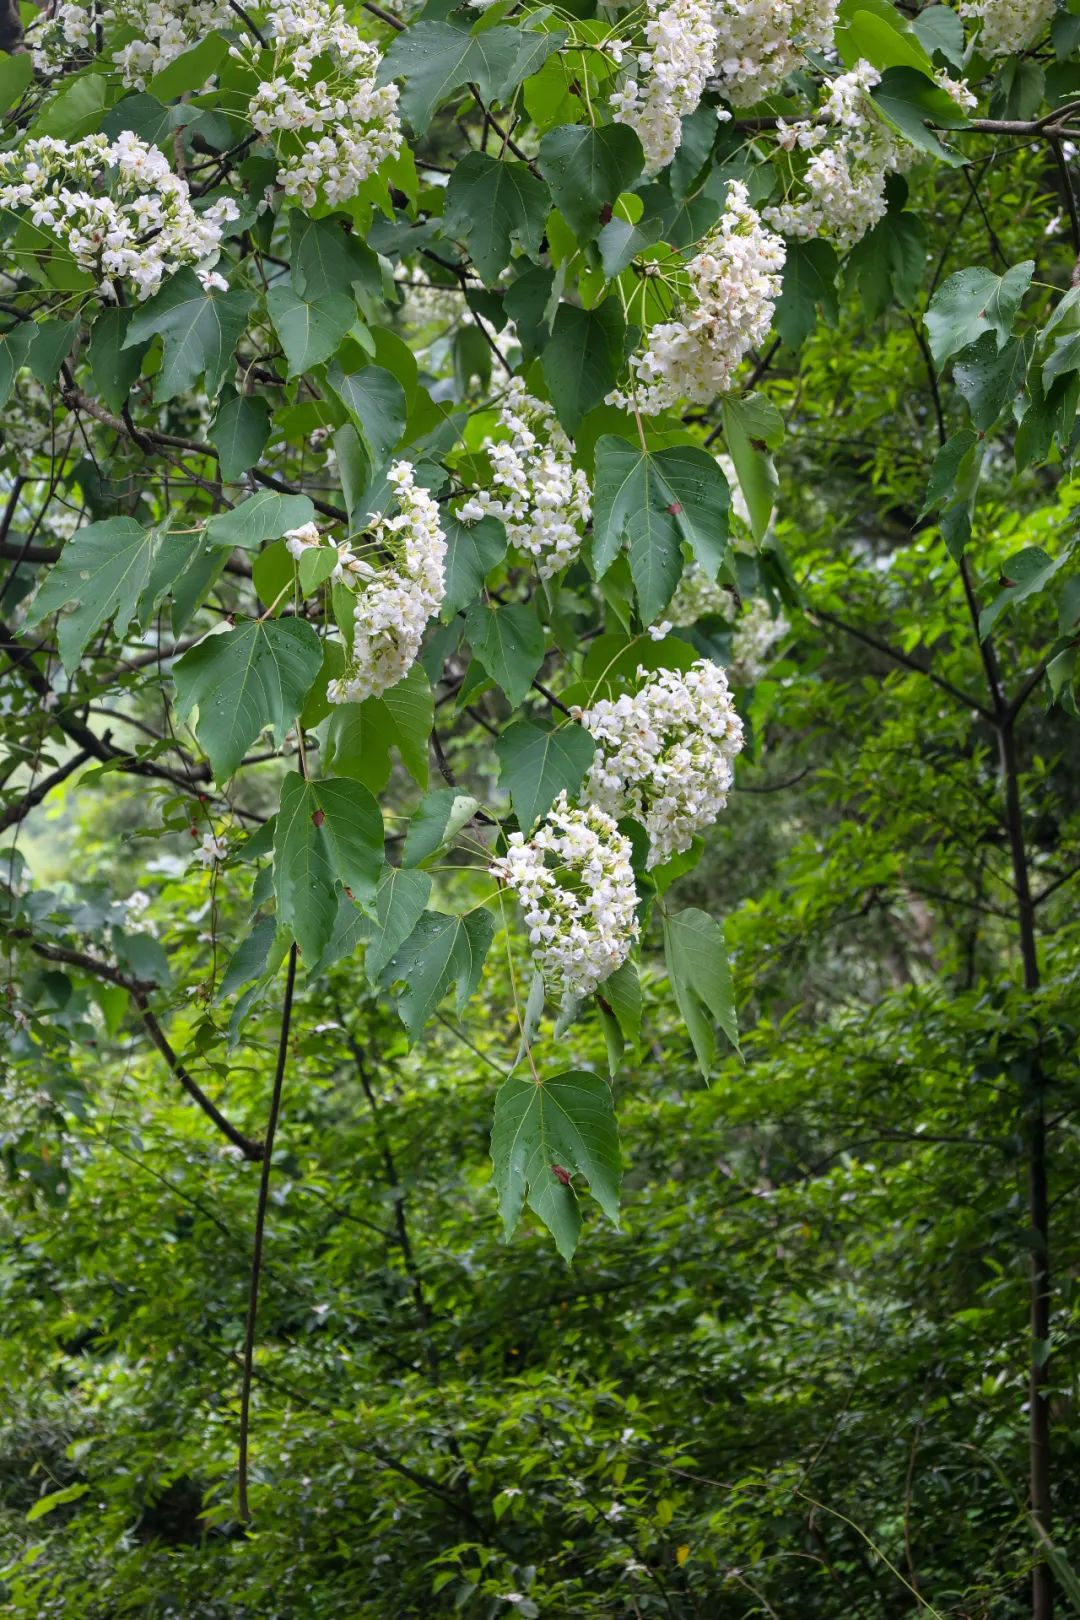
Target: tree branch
{"x": 32, "y": 798}
{"x": 260, "y": 1230}
{"x": 899, "y": 657}
{"x": 137, "y": 989}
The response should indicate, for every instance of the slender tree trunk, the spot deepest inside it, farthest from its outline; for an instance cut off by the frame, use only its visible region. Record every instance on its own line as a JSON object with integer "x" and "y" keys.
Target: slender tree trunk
{"x": 1042, "y": 1589}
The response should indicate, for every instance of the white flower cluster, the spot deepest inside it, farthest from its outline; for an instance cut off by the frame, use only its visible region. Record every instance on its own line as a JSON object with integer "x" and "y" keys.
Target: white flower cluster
{"x": 844, "y": 179}
{"x": 575, "y": 884}
{"x": 759, "y": 42}
{"x": 756, "y": 633}
{"x": 664, "y": 754}
{"x": 352, "y": 122}
{"x": 734, "y": 283}
{"x": 117, "y": 207}
{"x": 537, "y": 492}
{"x": 393, "y": 602}
{"x": 681, "y": 38}
{"x": 1008, "y": 26}
{"x": 164, "y": 30}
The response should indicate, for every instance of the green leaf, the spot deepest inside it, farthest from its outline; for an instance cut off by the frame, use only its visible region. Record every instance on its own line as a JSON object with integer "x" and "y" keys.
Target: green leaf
{"x": 535, "y": 766}
{"x": 653, "y": 502}
{"x": 990, "y": 380}
{"x": 399, "y": 905}
{"x": 239, "y": 433}
{"x": 1051, "y": 414}
{"x": 243, "y": 680}
{"x": 437, "y": 820}
{"x": 509, "y": 642}
{"x": 911, "y": 102}
{"x": 327, "y": 259}
{"x": 309, "y": 332}
{"x": 748, "y": 429}
{"x": 583, "y": 358}
{"x": 327, "y": 833}
{"x": 889, "y": 261}
{"x": 488, "y": 202}
{"x": 620, "y": 242}
{"x": 191, "y": 70}
{"x": 50, "y": 348}
{"x": 55, "y": 1499}
{"x": 543, "y": 1127}
{"x": 618, "y": 1002}
{"x": 1064, "y": 357}
{"x": 248, "y": 961}
{"x": 113, "y": 365}
{"x": 75, "y": 111}
{"x": 199, "y": 331}
{"x": 586, "y": 169}
{"x": 375, "y": 401}
{"x": 109, "y": 570}
{"x": 701, "y": 979}
{"x": 972, "y": 302}
{"x": 437, "y": 60}
{"x": 472, "y": 551}
{"x": 940, "y": 29}
{"x": 361, "y": 735}
{"x": 146, "y": 117}
{"x": 1025, "y": 574}
{"x": 885, "y": 42}
{"x": 1018, "y": 90}
{"x": 809, "y": 280}
{"x": 15, "y": 74}
{"x": 263, "y": 516}
{"x": 15, "y": 345}
{"x": 947, "y": 464}
{"x": 441, "y": 951}
{"x": 527, "y": 302}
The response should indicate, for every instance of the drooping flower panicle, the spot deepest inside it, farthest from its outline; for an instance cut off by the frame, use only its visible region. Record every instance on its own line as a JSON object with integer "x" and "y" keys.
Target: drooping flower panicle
{"x": 670, "y": 77}
{"x": 575, "y": 884}
{"x": 734, "y": 282}
{"x": 664, "y": 754}
{"x": 394, "y": 601}
{"x": 537, "y": 493}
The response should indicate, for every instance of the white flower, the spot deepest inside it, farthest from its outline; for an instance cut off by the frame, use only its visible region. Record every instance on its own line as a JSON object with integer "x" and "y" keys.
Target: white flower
{"x": 394, "y": 602}
{"x": 759, "y": 42}
{"x": 536, "y": 491}
{"x": 664, "y": 754}
{"x": 118, "y": 207}
{"x": 734, "y": 283}
{"x": 1008, "y": 26}
{"x": 672, "y": 74}
{"x": 211, "y": 850}
{"x": 575, "y": 885}
{"x": 957, "y": 89}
